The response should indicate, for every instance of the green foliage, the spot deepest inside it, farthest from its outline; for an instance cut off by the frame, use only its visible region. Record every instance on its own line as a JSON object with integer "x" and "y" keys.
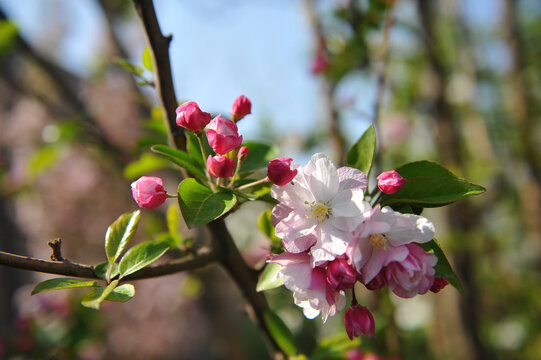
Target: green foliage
{"x": 429, "y": 185}
{"x": 95, "y": 297}
{"x": 194, "y": 149}
{"x": 121, "y": 293}
{"x": 334, "y": 347}
{"x": 129, "y": 67}
{"x": 146, "y": 58}
{"x": 181, "y": 159}
{"x": 259, "y": 155}
{"x": 443, "y": 267}
{"x": 362, "y": 153}
{"x": 200, "y": 205}
{"x": 43, "y": 159}
{"x": 101, "y": 270}
{"x": 145, "y": 164}
{"x": 264, "y": 223}
{"x": 62, "y": 283}
{"x": 119, "y": 234}
{"x": 173, "y": 218}
{"x": 140, "y": 256}
{"x": 267, "y": 279}
{"x": 280, "y": 333}
{"x": 8, "y": 36}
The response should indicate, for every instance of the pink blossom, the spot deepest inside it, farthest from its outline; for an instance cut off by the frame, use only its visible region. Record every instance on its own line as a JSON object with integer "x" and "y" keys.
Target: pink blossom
{"x": 390, "y": 182}
{"x": 220, "y": 166}
{"x": 319, "y": 210}
{"x": 309, "y": 286}
{"x": 190, "y": 117}
{"x": 223, "y": 135}
{"x": 378, "y": 282}
{"x": 279, "y": 171}
{"x": 148, "y": 192}
{"x": 341, "y": 275}
{"x": 414, "y": 275}
{"x": 439, "y": 284}
{"x": 243, "y": 153}
{"x": 241, "y": 107}
{"x": 359, "y": 320}
{"x": 378, "y": 240}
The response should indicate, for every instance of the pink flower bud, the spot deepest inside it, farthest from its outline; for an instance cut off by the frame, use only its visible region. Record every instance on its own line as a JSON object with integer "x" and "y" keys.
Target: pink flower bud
{"x": 439, "y": 284}
{"x": 341, "y": 275}
{"x": 378, "y": 282}
{"x": 279, "y": 171}
{"x": 220, "y": 166}
{"x": 320, "y": 64}
{"x": 390, "y": 182}
{"x": 414, "y": 275}
{"x": 359, "y": 320}
{"x": 223, "y": 135}
{"x": 243, "y": 153}
{"x": 190, "y": 117}
{"x": 241, "y": 107}
{"x": 148, "y": 192}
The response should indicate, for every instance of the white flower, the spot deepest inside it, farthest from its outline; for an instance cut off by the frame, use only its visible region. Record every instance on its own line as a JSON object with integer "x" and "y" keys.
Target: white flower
{"x": 320, "y": 209}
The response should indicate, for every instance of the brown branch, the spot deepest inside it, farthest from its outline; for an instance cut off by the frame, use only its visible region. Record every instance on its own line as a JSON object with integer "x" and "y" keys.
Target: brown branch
{"x": 159, "y": 45}
{"x": 202, "y": 257}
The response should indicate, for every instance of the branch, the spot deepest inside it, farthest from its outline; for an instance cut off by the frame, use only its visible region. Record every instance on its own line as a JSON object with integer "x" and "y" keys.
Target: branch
{"x": 159, "y": 45}
{"x": 202, "y": 257}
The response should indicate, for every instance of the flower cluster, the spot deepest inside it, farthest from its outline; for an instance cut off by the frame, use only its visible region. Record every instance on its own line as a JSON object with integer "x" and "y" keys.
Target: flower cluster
{"x": 334, "y": 238}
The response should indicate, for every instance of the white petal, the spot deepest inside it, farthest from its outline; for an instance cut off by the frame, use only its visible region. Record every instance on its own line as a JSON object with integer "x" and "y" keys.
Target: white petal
{"x": 323, "y": 179}
{"x": 348, "y": 203}
{"x": 351, "y": 178}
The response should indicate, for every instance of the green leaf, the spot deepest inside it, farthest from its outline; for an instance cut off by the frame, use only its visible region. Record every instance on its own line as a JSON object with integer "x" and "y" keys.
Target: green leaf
{"x": 443, "y": 267}
{"x": 43, "y": 159}
{"x": 129, "y": 67}
{"x": 62, "y": 283}
{"x": 101, "y": 270}
{"x": 362, "y": 153}
{"x": 95, "y": 297}
{"x": 432, "y": 191}
{"x": 264, "y": 223}
{"x": 147, "y": 59}
{"x": 140, "y": 256}
{"x": 259, "y": 155}
{"x": 280, "y": 332}
{"x": 333, "y": 347}
{"x": 268, "y": 278}
{"x": 119, "y": 234}
{"x": 200, "y": 205}
{"x": 122, "y": 293}
{"x": 172, "y": 241}
{"x": 173, "y": 218}
{"x": 145, "y": 164}
{"x": 8, "y": 36}
{"x": 424, "y": 168}
{"x": 182, "y": 159}
{"x": 194, "y": 149}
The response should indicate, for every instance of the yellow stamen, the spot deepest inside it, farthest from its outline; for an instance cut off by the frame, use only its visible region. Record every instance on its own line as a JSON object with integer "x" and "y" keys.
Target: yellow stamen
{"x": 378, "y": 240}
{"x": 321, "y": 211}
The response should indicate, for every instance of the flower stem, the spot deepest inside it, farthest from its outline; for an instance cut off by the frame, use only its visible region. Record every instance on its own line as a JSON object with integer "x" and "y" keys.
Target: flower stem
{"x": 254, "y": 183}
{"x": 235, "y": 174}
{"x": 203, "y": 152}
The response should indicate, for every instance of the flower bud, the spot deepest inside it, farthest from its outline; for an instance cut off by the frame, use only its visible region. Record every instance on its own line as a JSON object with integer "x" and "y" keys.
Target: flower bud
{"x": 359, "y": 320}
{"x": 341, "y": 275}
{"x": 148, "y": 192}
{"x": 220, "y": 166}
{"x": 223, "y": 135}
{"x": 390, "y": 182}
{"x": 279, "y": 171}
{"x": 190, "y": 117}
{"x": 320, "y": 63}
{"x": 377, "y": 282}
{"x": 241, "y": 107}
{"x": 439, "y": 283}
{"x": 243, "y": 153}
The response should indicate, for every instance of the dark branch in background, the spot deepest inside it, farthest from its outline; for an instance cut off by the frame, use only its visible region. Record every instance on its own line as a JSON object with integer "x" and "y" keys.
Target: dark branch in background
{"x": 229, "y": 255}
{"x": 159, "y": 45}
{"x": 202, "y": 257}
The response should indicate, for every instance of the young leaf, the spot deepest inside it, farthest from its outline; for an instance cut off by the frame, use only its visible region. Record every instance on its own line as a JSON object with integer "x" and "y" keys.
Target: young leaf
{"x": 95, "y": 297}
{"x": 129, "y": 67}
{"x": 432, "y": 191}
{"x": 101, "y": 270}
{"x": 264, "y": 223}
{"x": 119, "y": 234}
{"x": 333, "y": 347}
{"x": 180, "y": 158}
{"x": 259, "y": 155}
{"x": 172, "y": 219}
{"x": 122, "y": 293}
{"x": 280, "y": 332}
{"x": 62, "y": 283}
{"x": 362, "y": 153}
{"x": 147, "y": 59}
{"x": 140, "y": 256}
{"x": 443, "y": 267}
{"x": 200, "y": 205}
{"x": 145, "y": 164}
{"x": 268, "y": 279}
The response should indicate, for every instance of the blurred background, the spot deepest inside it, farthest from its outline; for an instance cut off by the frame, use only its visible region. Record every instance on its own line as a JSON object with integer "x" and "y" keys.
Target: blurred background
{"x": 452, "y": 81}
